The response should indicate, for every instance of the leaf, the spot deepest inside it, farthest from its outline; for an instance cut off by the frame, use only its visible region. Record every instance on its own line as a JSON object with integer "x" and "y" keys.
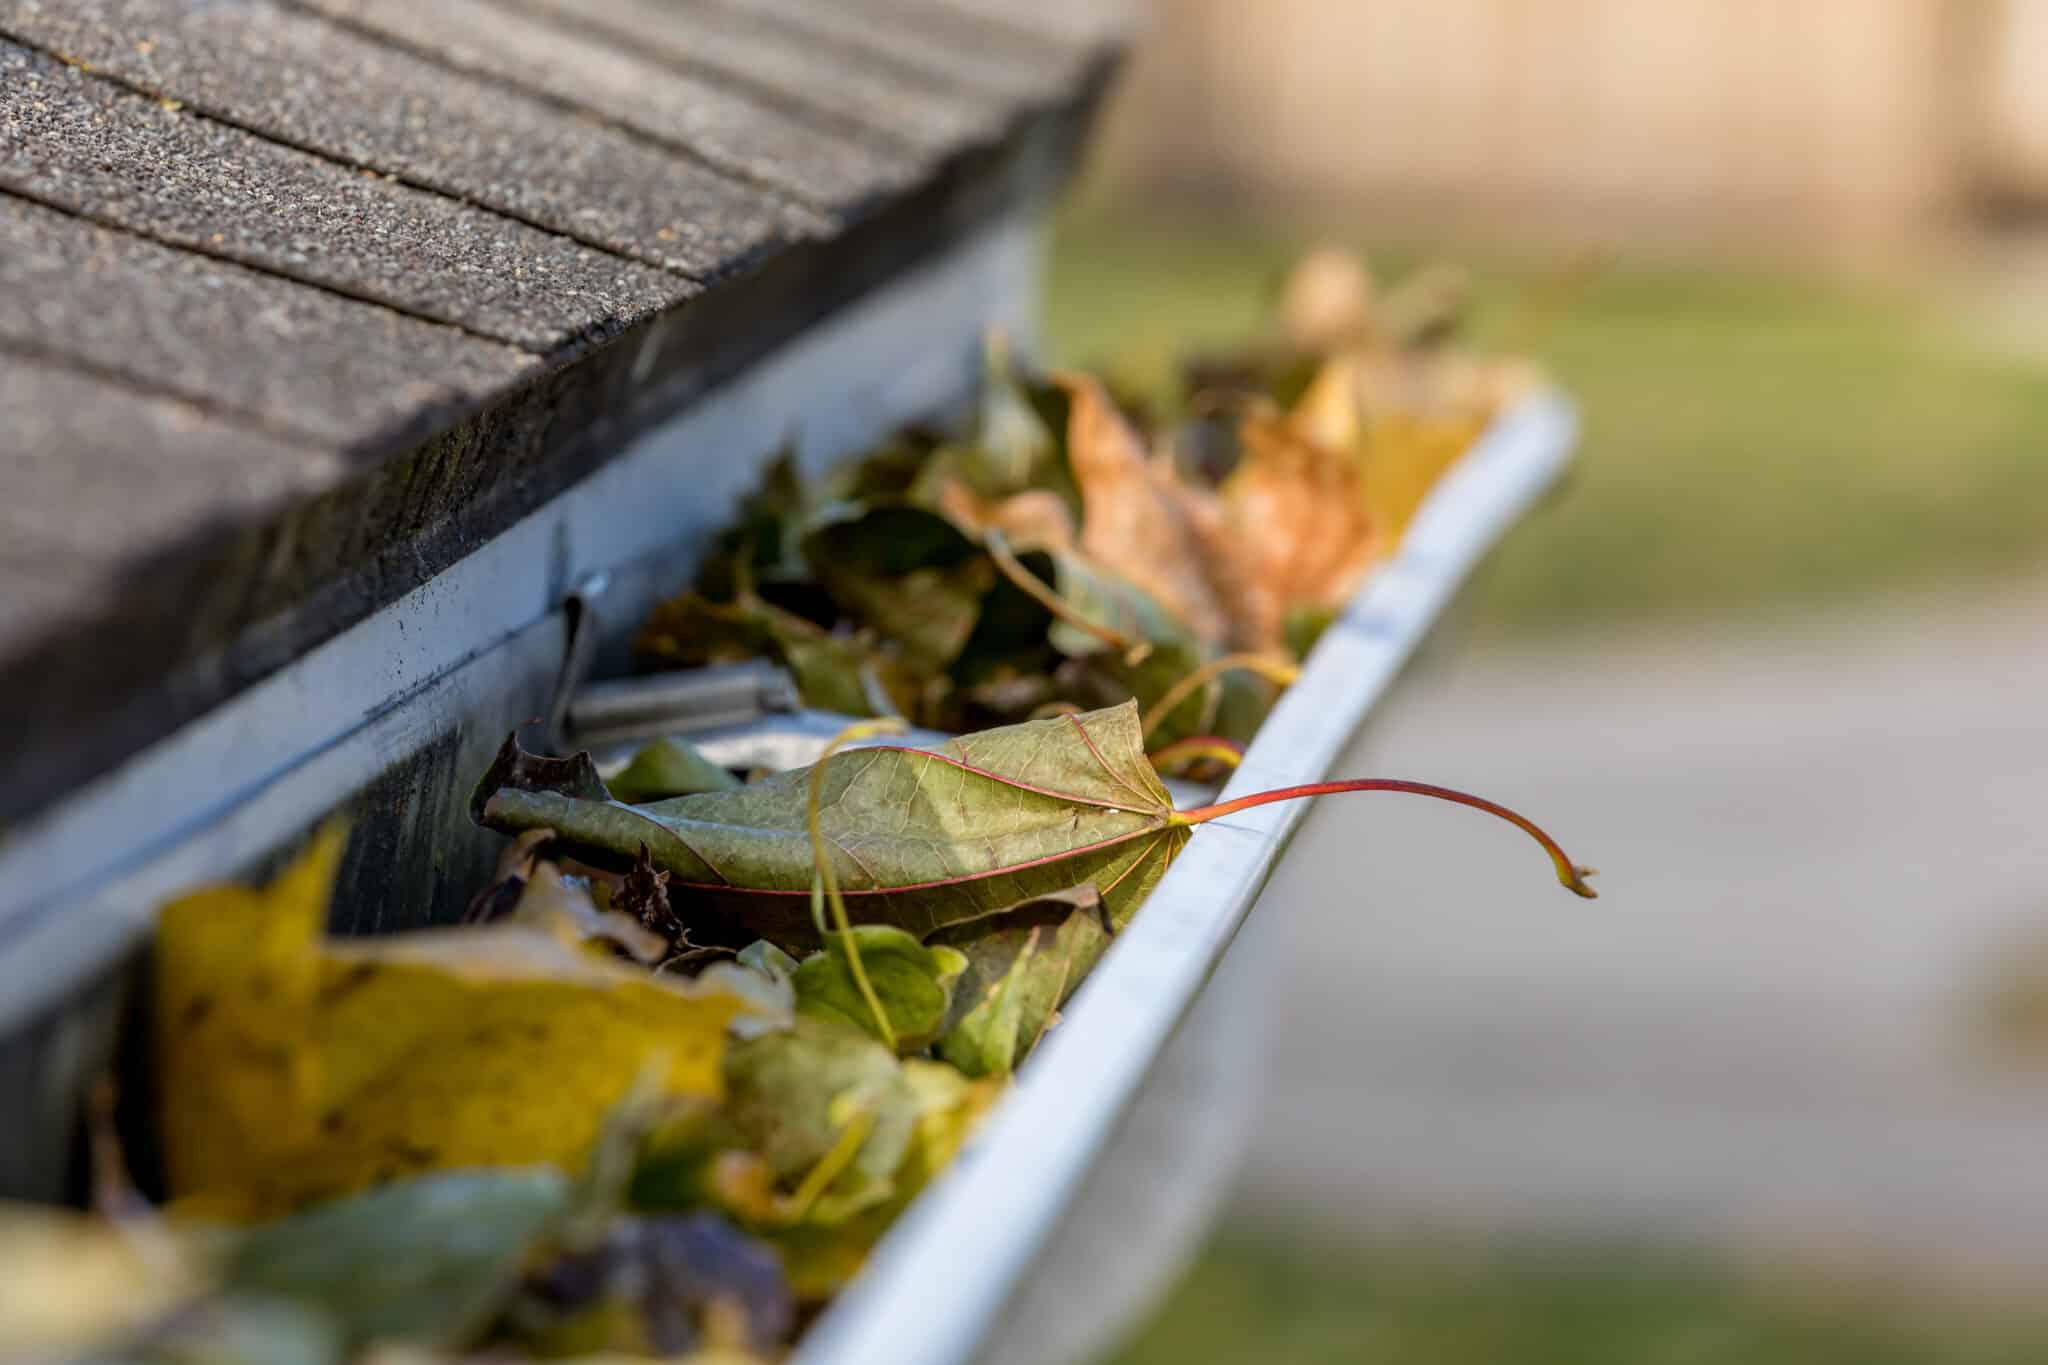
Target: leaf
{"x": 920, "y": 838}
{"x": 1012, "y": 452}
{"x": 914, "y": 984}
{"x": 1299, "y": 512}
{"x": 669, "y": 767}
{"x": 687, "y": 631}
{"x": 1022, "y": 966}
{"x": 1133, "y": 522}
{"x": 764, "y": 957}
{"x": 761, "y": 543}
{"x": 659, "y": 1286}
{"x": 822, "y": 1257}
{"x": 1403, "y": 420}
{"x": 75, "y": 1283}
{"x": 295, "y": 1069}
{"x": 904, "y": 570}
{"x": 514, "y": 767}
{"x": 1109, "y": 601}
{"x": 1036, "y": 519}
{"x": 795, "y": 1095}
{"x": 237, "y": 1330}
{"x": 425, "y": 1260}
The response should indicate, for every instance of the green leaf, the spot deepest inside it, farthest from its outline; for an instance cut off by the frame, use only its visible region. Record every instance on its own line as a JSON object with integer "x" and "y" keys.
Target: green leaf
{"x": 1022, "y": 966}
{"x": 666, "y": 768}
{"x": 908, "y": 572}
{"x": 919, "y": 838}
{"x": 1108, "y": 600}
{"x": 795, "y": 1095}
{"x": 913, "y": 982}
{"x": 425, "y": 1260}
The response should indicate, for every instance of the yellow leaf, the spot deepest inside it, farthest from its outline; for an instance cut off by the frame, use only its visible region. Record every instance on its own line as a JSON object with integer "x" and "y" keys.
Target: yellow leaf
{"x": 297, "y": 1069}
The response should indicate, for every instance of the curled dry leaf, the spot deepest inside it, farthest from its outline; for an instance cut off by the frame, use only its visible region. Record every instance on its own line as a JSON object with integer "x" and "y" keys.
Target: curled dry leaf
{"x": 1135, "y": 521}
{"x": 1298, "y": 510}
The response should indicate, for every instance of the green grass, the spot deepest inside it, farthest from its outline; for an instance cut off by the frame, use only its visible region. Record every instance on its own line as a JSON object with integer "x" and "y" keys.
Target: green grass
{"x": 1248, "y": 1302}
{"x": 1750, "y": 440}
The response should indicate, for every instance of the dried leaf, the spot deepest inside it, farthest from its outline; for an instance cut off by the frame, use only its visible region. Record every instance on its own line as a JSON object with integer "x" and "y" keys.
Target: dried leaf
{"x": 1133, "y": 523}
{"x": 1298, "y": 511}
{"x": 920, "y": 838}
{"x": 514, "y": 767}
{"x": 295, "y": 1069}
{"x": 1032, "y": 520}
{"x": 643, "y": 894}
{"x": 562, "y": 907}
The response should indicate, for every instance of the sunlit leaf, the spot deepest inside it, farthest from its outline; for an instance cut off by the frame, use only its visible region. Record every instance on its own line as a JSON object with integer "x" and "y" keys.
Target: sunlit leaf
{"x": 295, "y": 1069}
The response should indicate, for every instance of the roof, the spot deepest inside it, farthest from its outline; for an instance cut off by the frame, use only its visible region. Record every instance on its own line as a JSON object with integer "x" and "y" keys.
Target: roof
{"x": 300, "y": 300}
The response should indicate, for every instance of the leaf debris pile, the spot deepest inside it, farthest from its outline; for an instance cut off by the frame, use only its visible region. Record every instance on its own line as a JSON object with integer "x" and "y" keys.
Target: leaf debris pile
{"x": 703, "y": 1039}
{"x": 1068, "y": 550}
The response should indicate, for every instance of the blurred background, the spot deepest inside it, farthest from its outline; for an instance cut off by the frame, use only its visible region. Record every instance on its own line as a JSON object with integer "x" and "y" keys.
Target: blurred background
{"x": 1776, "y": 661}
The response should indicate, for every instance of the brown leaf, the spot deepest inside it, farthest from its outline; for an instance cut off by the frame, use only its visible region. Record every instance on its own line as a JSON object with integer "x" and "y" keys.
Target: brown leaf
{"x": 1032, "y": 520}
{"x": 1134, "y": 519}
{"x": 1298, "y": 511}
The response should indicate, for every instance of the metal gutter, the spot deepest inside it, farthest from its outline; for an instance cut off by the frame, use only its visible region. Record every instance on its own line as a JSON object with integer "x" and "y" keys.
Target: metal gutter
{"x": 79, "y": 883}
{"x": 946, "y": 1273}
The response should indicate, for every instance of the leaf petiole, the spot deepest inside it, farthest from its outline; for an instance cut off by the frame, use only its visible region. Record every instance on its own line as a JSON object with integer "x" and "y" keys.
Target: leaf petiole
{"x": 1569, "y": 874}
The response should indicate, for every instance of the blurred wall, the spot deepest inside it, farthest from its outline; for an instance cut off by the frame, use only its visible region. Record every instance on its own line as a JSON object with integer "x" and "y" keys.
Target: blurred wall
{"x": 1814, "y": 123}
